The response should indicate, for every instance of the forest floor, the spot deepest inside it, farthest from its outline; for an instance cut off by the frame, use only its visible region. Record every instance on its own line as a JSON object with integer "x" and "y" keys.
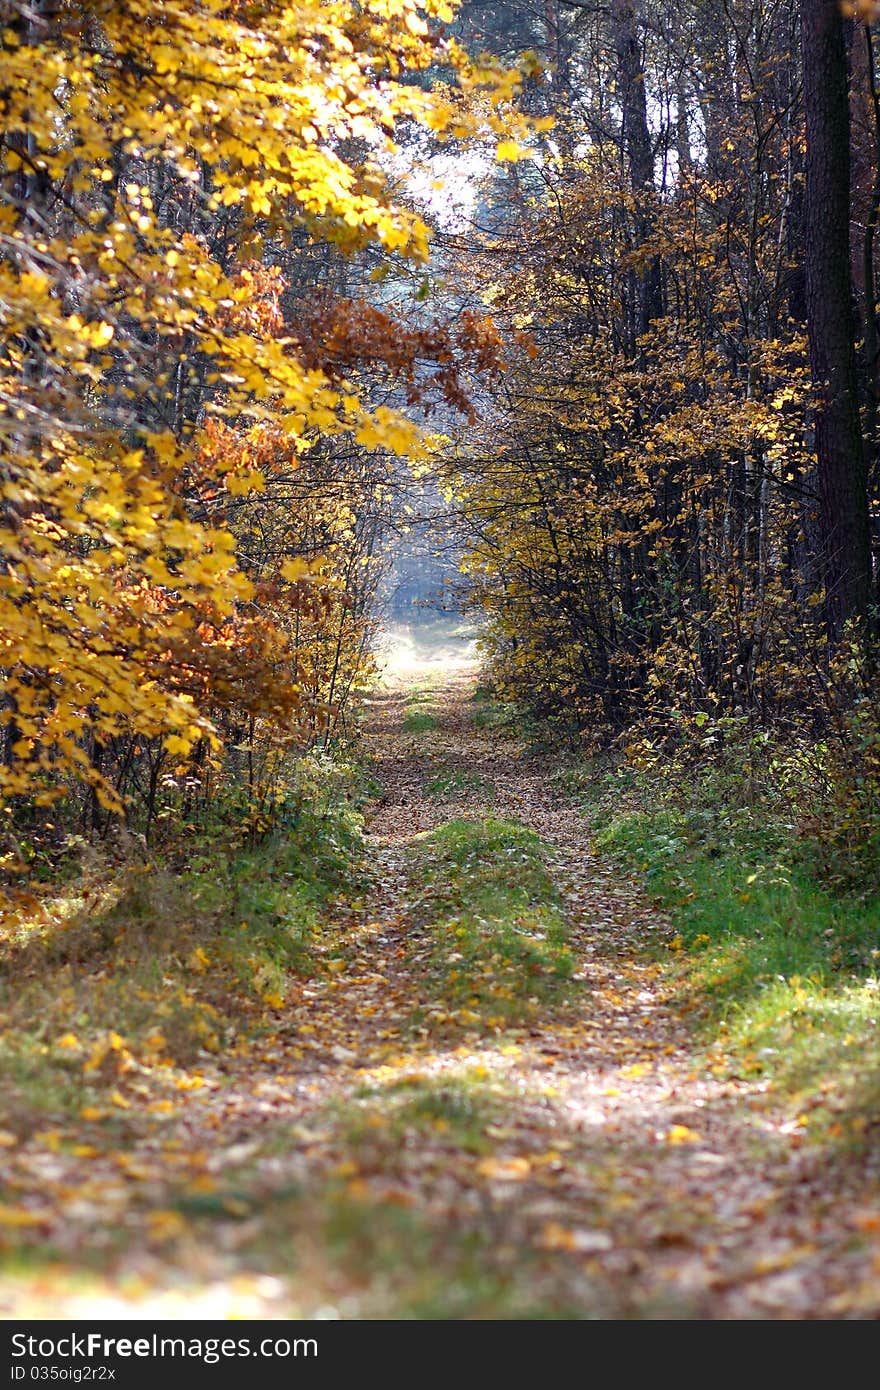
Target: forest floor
{"x": 486, "y": 1104}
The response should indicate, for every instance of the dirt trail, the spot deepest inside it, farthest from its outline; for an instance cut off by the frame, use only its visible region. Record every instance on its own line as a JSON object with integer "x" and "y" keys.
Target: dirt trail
{"x": 586, "y": 1166}
{"x": 690, "y": 1195}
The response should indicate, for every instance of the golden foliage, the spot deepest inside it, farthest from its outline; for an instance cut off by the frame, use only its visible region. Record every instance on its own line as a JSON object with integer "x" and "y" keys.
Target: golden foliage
{"x": 150, "y": 151}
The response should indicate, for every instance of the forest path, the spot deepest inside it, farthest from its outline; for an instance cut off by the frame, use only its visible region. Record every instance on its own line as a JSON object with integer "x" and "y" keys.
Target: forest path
{"x": 631, "y": 1175}
{"x": 397, "y": 1147}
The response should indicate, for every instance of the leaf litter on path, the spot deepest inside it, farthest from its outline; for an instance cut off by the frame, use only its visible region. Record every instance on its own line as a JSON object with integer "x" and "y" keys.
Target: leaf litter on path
{"x": 382, "y": 1151}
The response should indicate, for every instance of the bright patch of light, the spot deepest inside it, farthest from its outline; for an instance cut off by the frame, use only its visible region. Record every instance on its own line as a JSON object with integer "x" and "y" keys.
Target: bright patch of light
{"x": 449, "y": 187}
{"x": 406, "y": 653}
{"x": 447, "y": 183}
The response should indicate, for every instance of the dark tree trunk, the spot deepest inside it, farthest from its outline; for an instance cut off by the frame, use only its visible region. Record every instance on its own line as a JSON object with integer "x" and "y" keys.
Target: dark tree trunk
{"x": 638, "y": 149}
{"x": 871, "y": 350}
{"x": 839, "y": 450}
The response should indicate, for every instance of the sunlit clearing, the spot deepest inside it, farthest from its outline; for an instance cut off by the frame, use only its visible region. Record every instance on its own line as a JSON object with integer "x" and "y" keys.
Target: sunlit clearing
{"x": 407, "y": 652}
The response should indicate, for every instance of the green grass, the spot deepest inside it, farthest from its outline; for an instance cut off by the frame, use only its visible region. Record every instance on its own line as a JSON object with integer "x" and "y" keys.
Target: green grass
{"x": 490, "y": 940}
{"x": 415, "y": 1264}
{"x": 509, "y": 720}
{"x": 151, "y": 965}
{"x": 489, "y": 717}
{"x": 418, "y": 722}
{"x": 779, "y": 969}
{"x": 369, "y": 1225}
{"x": 367, "y": 1229}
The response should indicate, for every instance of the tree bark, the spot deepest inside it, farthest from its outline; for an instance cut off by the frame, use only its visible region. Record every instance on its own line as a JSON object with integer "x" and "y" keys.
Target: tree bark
{"x": 839, "y": 448}
{"x": 639, "y": 151}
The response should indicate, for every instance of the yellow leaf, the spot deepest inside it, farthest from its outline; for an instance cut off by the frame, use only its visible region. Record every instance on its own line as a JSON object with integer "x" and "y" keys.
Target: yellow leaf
{"x": 174, "y": 744}
{"x": 198, "y": 960}
{"x": 165, "y": 1225}
{"x": 347, "y": 1169}
{"x": 235, "y": 1206}
{"x": 510, "y": 151}
{"x": 504, "y": 1169}
{"x": 580, "y": 1241}
{"x": 241, "y": 484}
{"x": 637, "y": 1069}
{"x": 16, "y": 1217}
{"x": 680, "y": 1134}
{"x": 100, "y": 334}
{"x": 50, "y": 1139}
{"x": 203, "y": 1183}
{"x": 783, "y": 1259}
{"x": 296, "y": 569}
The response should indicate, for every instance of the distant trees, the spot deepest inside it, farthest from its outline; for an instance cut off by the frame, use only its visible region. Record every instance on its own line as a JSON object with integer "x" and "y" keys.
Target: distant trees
{"x": 669, "y": 500}
{"x": 670, "y": 511}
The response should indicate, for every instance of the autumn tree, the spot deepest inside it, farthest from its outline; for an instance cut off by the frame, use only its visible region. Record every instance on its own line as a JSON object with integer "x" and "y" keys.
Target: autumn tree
{"x": 155, "y": 379}
{"x": 644, "y": 508}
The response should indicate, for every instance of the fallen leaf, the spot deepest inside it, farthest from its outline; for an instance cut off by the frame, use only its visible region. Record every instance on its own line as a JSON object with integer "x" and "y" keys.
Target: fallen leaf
{"x": 680, "y": 1134}
{"x": 19, "y": 1217}
{"x": 504, "y": 1169}
{"x": 578, "y": 1240}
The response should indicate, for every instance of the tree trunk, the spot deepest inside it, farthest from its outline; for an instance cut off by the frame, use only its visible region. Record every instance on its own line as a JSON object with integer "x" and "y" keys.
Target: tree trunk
{"x": 839, "y": 451}
{"x": 639, "y": 151}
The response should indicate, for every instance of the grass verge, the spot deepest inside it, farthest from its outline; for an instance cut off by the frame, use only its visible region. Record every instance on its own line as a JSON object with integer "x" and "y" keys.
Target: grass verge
{"x": 371, "y": 1231}
{"x": 778, "y": 969}
{"x": 113, "y": 988}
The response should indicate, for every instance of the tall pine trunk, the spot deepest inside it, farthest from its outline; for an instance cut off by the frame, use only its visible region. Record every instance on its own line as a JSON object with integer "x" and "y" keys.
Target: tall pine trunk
{"x": 839, "y": 449}
{"x": 638, "y": 148}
